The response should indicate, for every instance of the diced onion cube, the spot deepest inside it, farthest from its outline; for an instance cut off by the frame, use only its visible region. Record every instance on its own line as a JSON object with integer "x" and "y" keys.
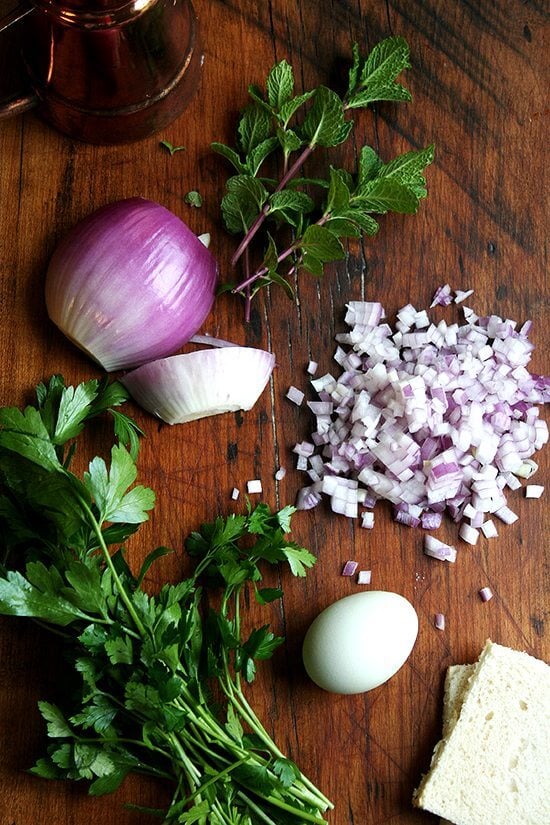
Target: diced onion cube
{"x": 235, "y": 493}
{"x": 364, "y": 577}
{"x": 468, "y": 533}
{"x": 534, "y": 491}
{"x": 489, "y": 530}
{"x": 295, "y": 395}
{"x": 485, "y": 594}
{"x": 349, "y": 568}
{"x": 254, "y": 486}
{"x": 439, "y": 621}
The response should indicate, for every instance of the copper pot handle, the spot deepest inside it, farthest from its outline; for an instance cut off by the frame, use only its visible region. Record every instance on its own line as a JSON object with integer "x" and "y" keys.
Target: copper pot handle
{"x": 16, "y": 105}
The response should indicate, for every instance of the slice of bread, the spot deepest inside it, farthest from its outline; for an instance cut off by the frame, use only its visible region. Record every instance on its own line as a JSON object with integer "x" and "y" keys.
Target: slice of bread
{"x": 492, "y": 766}
{"x": 456, "y": 682}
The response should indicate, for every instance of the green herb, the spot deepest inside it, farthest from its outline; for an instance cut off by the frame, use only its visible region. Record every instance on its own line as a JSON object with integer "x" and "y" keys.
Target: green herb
{"x": 317, "y": 213}
{"x": 193, "y": 198}
{"x": 144, "y": 665}
{"x": 170, "y": 148}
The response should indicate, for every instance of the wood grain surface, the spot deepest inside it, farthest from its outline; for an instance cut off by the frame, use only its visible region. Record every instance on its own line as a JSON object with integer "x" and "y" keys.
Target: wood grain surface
{"x": 479, "y": 80}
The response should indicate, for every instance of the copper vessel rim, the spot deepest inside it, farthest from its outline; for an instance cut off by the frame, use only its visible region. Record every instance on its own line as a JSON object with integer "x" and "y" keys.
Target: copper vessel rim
{"x": 104, "y": 18}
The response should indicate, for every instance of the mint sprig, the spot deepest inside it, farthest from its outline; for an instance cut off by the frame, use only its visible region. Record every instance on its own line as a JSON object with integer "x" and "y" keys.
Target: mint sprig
{"x": 318, "y": 212}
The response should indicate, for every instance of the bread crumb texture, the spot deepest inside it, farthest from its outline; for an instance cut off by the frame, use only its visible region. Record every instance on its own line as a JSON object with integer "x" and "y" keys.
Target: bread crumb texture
{"x": 492, "y": 766}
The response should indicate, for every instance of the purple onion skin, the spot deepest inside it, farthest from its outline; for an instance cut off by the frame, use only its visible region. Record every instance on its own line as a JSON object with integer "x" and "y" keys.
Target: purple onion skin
{"x": 130, "y": 283}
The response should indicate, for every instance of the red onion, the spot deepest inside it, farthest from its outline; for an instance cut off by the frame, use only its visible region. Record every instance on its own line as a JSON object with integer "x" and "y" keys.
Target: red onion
{"x": 439, "y": 621}
{"x": 485, "y": 594}
{"x": 130, "y": 283}
{"x": 364, "y": 577}
{"x": 349, "y": 568}
{"x": 198, "y": 384}
{"x": 431, "y": 417}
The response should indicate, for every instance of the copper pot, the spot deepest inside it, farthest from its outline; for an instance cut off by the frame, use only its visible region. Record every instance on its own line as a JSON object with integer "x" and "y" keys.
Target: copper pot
{"x": 107, "y": 71}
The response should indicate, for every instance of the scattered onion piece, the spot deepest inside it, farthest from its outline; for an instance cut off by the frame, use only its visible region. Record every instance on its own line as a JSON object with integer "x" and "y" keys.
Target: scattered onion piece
{"x": 254, "y": 486}
{"x": 489, "y": 530}
{"x": 364, "y": 577}
{"x": 439, "y": 550}
{"x": 439, "y": 621}
{"x": 485, "y": 594}
{"x": 235, "y": 493}
{"x": 349, "y": 568}
{"x": 198, "y": 384}
{"x": 295, "y": 395}
{"x": 534, "y": 491}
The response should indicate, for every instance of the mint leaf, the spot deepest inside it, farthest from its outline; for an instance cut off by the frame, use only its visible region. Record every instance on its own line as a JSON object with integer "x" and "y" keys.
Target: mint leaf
{"x": 290, "y": 108}
{"x": 245, "y": 197}
{"x": 193, "y": 198}
{"x": 338, "y": 194}
{"x": 376, "y": 79}
{"x": 344, "y": 227}
{"x": 320, "y": 243}
{"x": 409, "y": 168}
{"x": 260, "y": 152}
{"x": 229, "y": 154}
{"x": 255, "y": 126}
{"x": 280, "y": 85}
{"x": 325, "y": 124}
{"x": 387, "y": 194}
{"x": 369, "y": 166}
{"x": 288, "y": 204}
{"x": 170, "y": 147}
{"x": 289, "y": 141}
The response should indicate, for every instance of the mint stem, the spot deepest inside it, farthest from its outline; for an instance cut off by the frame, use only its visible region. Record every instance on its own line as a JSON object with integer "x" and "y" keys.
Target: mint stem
{"x": 280, "y": 258}
{"x": 263, "y": 214}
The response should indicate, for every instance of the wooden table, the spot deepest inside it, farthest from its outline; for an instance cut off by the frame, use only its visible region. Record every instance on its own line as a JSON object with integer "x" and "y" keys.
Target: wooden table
{"x": 479, "y": 81}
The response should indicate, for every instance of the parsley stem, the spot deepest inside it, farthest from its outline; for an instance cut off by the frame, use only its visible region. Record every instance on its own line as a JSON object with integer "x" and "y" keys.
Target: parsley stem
{"x": 107, "y": 556}
{"x": 300, "y": 160}
{"x": 263, "y": 816}
{"x": 215, "y": 778}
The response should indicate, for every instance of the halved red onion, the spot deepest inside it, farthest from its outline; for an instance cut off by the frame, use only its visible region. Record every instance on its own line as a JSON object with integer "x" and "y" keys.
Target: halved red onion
{"x": 130, "y": 283}
{"x": 198, "y": 384}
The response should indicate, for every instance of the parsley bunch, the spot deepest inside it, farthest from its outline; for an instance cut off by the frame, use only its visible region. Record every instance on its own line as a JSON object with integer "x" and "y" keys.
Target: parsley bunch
{"x": 273, "y": 126}
{"x": 144, "y": 666}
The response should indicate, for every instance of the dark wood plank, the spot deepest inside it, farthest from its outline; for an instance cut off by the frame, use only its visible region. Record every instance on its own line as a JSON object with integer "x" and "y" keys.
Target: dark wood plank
{"x": 478, "y": 81}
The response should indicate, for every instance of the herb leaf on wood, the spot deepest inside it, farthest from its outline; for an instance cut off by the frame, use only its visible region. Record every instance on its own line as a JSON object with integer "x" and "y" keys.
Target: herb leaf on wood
{"x": 306, "y": 219}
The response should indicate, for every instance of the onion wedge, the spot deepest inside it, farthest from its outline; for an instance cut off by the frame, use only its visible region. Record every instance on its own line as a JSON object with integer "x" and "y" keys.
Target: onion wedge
{"x": 195, "y": 385}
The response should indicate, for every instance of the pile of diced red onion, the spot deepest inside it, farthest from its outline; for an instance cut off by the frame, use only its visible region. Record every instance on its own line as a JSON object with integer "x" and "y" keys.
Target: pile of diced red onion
{"x": 432, "y": 417}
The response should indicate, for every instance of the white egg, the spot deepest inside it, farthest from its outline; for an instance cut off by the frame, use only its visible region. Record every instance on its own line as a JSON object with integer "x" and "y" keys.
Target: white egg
{"x": 360, "y": 641}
